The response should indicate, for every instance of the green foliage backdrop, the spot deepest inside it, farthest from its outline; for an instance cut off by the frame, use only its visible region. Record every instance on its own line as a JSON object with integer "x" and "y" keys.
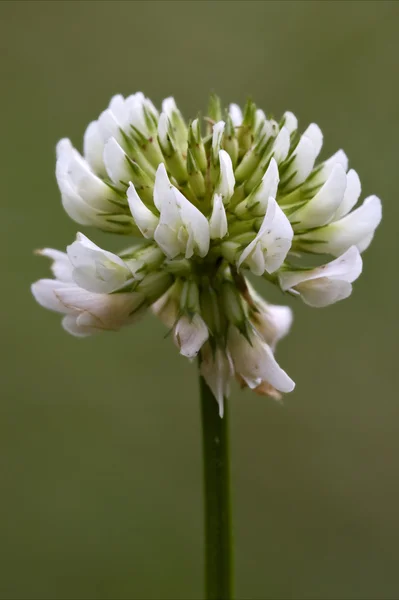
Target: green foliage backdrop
{"x": 99, "y": 438}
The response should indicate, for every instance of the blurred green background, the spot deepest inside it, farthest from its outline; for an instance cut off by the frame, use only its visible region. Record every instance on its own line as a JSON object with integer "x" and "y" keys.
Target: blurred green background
{"x": 100, "y": 438}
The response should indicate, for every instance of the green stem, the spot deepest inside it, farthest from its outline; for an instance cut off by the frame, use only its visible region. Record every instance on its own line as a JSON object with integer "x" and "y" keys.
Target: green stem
{"x": 218, "y": 539}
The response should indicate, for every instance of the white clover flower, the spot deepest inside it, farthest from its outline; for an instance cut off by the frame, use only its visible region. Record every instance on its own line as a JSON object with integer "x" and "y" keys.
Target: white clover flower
{"x": 254, "y": 361}
{"x": 190, "y": 334}
{"x": 325, "y": 284}
{"x": 85, "y": 312}
{"x": 266, "y": 253}
{"x": 247, "y": 195}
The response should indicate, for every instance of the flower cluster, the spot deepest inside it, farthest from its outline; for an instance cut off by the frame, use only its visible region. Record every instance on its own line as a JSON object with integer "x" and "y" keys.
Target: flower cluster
{"x": 206, "y": 208}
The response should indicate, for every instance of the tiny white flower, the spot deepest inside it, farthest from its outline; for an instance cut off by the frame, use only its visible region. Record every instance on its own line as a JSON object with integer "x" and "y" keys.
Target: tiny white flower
{"x": 354, "y": 229}
{"x": 190, "y": 333}
{"x": 272, "y": 322}
{"x": 86, "y": 313}
{"x": 226, "y": 182}
{"x": 321, "y": 208}
{"x": 217, "y": 370}
{"x": 235, "y": 113}
{"x": 182, "y": 228}
{"x": 218, "y": 219}
{"x": 85, "y": 197}
{"x": 326, "y": 284}
{"x": 97, "y": 270}
{"x": 290, "y": 121}
{"x": 254, "y": 361}
{"x": 270, "y": 246}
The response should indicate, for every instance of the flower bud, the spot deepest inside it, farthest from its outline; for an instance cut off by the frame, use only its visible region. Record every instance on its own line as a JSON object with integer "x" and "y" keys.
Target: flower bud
{"x": 195, "y": 177}
{"x": 153, "y": 285}
{"x": 233, "y": 306}
{"x": 172, "y": 155}
{"x": 230, "y": 141}
{"x": 196, "y": 145}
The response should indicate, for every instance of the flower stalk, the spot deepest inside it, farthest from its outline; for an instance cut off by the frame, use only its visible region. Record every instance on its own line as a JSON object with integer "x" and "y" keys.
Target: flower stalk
{"x": 217, "y": 501}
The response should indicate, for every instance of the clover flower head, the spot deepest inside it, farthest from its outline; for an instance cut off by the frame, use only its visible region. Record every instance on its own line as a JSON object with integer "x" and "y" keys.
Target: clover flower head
{"x": 206, "y": 203}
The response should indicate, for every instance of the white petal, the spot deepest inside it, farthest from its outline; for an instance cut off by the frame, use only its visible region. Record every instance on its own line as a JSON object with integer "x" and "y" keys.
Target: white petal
{"x": 273, "y": 322}
{"x": 74, "y": 174}
{"x": 97, "y": 270}
{"x": 267, "y": 188}
{"x": 321, "y": 208}
{"x": 260, "y": 119}
{"x": 354, "y": 229}
{"x": 163, "y": 188}
{"x": 226, "y": 183}
{"x": 324, "y": 291}
{"x": 302, "y": 165}
{"x": 116, "y": 163}
{"x": 267, "y": 128}
{"x": 313, "y": 132}
{"x": 167, "y": 240}
{"x": 255, "y": 259}
{"x": 255, "y": 362}
{"x": 190, "y": 335}
{"x": 217, "y": 135}
{"x": 169, "y": 106}
{"x": 196, "y": 224}
{"x": 281, "y": 145}
{"x": 365, "y": 242}
{"x": 73, "y": 204}
{"x": 145, "y": 220}
{"x": 290, "y": 121}
{"x": 44, "y": 293}
{"x": 93, "y": 147}
{"x": 325, "y": 169}
{"x": 235, "y": 114}
{"x": 135, "y": 107}
{"x": 274, "y": 237}
{"x": 346, "y": 268}
{"x": 61, "y": 267}
{"x": 218, "y": 220}
{"x": 102, "y": 311}
{"x": 69, "y": 323}
{"x": 110, "y": 126}
{"x": 118, "y": 107}
{"x": 351, "y": 196}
